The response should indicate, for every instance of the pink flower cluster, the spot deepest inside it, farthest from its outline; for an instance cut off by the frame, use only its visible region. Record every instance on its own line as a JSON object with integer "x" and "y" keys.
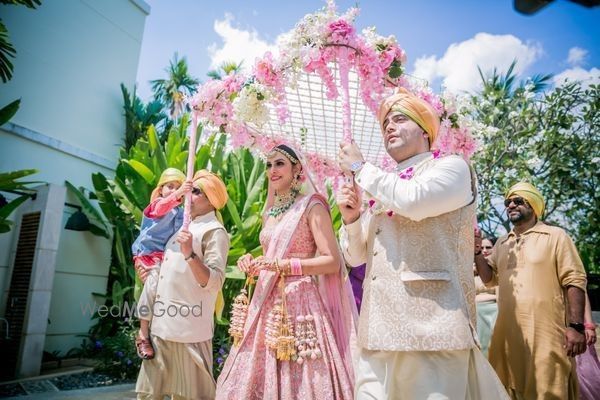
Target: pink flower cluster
{"x": 455, "y": 140}
{"x": 342, "y": 32}
{"x": 390, "y": 54}
{"x": 212, "y": 102}
{"x": 268, "y": 73}
{"x": 454, "y": 136}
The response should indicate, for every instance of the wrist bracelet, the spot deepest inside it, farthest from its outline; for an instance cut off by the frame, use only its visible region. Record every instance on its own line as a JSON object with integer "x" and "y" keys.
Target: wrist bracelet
{"x": 577, "y": 326}
{"x": 192, "y": 255}
{"x": 277, "y": 270}
{"x": 295, "y": 266}
{"x": 589, "y": 326}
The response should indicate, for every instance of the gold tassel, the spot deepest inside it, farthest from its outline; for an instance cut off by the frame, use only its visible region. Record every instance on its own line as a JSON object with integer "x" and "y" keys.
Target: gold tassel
{"x": 286, "y": 341}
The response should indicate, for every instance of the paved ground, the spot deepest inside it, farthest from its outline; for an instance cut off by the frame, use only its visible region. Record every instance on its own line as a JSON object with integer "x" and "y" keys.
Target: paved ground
{"x": 117, "y": 392}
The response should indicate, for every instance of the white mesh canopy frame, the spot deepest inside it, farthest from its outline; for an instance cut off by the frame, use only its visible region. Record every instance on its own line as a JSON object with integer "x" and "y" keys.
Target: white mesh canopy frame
{"x": 316, "y": 122}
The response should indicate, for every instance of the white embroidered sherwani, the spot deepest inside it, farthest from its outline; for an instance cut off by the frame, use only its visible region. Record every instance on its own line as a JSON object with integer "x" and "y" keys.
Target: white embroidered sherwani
{"x": 419, "y": 293}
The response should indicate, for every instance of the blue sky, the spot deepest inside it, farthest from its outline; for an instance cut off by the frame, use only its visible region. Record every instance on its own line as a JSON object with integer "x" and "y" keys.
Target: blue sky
{"x": 445, "y": 40}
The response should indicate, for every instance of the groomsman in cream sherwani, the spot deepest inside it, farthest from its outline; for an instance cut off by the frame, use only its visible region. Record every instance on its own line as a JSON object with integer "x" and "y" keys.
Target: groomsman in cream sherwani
{"x": 416, "y": 332}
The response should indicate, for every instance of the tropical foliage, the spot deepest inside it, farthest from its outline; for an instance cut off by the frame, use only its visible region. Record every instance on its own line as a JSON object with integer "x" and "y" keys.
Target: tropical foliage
{"x": 172, "y": 91}
{"x": 549, "y": 139}
{"x": 139, "y": 117}
{"x": 7, "y": 50}
{"x": 123, "y": 198}
{"x": 9, "y": 182}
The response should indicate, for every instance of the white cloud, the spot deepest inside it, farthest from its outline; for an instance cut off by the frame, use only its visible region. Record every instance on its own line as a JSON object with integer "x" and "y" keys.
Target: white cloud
{"x": 588, "y": 77}
{"x": 238, "y": 45}
{"x": 458, "y": 66}
{"x": 576, "y": 56}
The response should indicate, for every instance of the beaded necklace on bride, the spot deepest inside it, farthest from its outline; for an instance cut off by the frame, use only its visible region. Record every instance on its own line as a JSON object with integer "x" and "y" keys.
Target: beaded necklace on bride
{"x": 285, "y": 201}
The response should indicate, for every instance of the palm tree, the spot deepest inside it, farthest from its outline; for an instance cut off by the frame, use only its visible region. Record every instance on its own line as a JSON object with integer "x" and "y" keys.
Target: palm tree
{"x": 7, "y": 50}
{"x": 140, "y": 116}
{"x": 504, "y": 85}
{"x": 225, "y": 69}
{"x": 172, "y": 91}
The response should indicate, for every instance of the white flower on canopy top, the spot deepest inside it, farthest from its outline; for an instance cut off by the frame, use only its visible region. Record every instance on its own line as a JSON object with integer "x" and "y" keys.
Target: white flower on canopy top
{"x": 251, "y": 104}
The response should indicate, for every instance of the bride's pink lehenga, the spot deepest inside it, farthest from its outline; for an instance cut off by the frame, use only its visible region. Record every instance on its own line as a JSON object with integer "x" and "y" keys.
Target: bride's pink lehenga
{"x": 251, "y": 370}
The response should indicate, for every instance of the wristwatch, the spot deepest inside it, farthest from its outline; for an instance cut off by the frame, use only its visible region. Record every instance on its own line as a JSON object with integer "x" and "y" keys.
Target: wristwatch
{"x": 356, "y": 166}
{"x": 193, "y": 255}
{"x": 578, "y": 327}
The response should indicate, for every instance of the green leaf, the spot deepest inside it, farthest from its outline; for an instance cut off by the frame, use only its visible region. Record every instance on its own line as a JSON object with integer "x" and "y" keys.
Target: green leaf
{"x": 255, "y": 192}
{"x": 86, "y": 205}
{"x": 235, "y": 215}
{"x": 216, "y": 160}
{"x": 395, "y": 71}
{"x": 8, "y": 111}
{"x": 202, "y": 157}
{"x": 5, "y": 226}
{"x": 7, "y": 179}
{"x": 233, "y": 272}
{"x": 7, "y": 209}
{"x": 157, "y": 150}
{"x": 98, "y": 231}
{"x": 143, "y": 170}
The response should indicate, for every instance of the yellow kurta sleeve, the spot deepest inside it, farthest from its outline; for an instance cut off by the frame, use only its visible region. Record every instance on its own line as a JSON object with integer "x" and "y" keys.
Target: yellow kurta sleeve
{"x": 568, "y": 263}
{"x": 492, "y": 261}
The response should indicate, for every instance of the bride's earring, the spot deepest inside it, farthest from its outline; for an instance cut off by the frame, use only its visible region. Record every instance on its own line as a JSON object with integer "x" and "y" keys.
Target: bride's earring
{"x": 296, "y": 183}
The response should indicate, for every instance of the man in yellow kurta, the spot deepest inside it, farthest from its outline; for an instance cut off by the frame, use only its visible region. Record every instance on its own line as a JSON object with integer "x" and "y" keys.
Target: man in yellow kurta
{"x": 541, "y": 289}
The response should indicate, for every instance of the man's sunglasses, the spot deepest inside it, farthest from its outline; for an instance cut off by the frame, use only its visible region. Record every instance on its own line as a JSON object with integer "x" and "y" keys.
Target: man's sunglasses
{"x": 196, "y": 191}
{"x": 518, "y": 201}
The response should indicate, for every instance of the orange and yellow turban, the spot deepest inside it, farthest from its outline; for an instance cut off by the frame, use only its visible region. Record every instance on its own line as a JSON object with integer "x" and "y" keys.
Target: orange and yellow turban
{"x": 168, "y": 175}
{"x": 529, "y": 193}
{"x": 415, "y": 108}
{"x": 213, "y": 187}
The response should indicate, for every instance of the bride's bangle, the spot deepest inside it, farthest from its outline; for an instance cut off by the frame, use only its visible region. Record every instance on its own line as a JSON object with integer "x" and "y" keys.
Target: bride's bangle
{"x": 295, "y": 266}
{"x": 277, "y": 270}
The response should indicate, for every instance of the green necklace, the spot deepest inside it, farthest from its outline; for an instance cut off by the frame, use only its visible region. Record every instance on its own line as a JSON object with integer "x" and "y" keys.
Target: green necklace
{"x": 283, "y": 203}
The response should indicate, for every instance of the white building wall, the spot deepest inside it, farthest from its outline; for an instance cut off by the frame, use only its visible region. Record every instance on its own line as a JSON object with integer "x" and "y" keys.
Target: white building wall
{"x": 72, "y": 55}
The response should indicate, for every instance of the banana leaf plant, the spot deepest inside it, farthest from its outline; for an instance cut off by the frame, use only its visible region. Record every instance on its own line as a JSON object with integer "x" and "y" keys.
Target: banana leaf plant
{"x": 9, "y": 181}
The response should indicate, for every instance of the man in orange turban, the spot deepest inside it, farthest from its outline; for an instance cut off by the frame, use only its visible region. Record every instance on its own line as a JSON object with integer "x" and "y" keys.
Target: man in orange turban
{"x": 418, "y": 307}
{"x": 191, "y": 277}
{"x": 541, "y": 298}
{"x": 212, "y": 186}
{"x": 418, "y": 110}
